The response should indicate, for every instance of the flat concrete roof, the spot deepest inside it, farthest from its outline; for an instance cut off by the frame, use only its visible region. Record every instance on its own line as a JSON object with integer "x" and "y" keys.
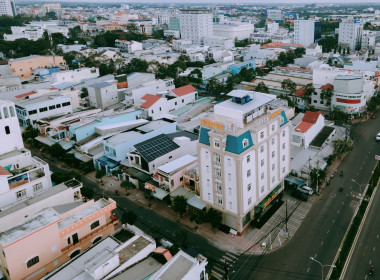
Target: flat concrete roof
{"x": 140, "y": 271}
{"x": 177, "y": 164}
{"x": 42, "y": 219}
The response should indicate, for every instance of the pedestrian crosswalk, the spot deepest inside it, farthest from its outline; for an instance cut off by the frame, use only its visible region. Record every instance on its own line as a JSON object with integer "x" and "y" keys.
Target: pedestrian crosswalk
{"x": 218, "y": 269}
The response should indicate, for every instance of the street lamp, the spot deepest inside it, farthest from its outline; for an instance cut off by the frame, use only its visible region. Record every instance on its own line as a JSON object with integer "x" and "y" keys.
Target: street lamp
{"x": 322, "y": 265}
{"x": 360, "y": 185}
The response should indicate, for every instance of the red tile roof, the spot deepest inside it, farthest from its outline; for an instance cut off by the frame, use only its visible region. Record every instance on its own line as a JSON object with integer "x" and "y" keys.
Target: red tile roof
{"x": 181, "y": 91}
{"x": 164, "y": 252}
{"x": 25, "y": 94}
{"x": 303, "y": 127}
{"x": 300, "y": 92}
{"x": 119, "y": 14}
{"x": 4, "y": 172}
{"x": 280, "y": 45}
{"x": 311, "y": 117}
{"x": 327, "y": 86}
{"x": 294, "y": 69}
{"x": 150, "y": 99}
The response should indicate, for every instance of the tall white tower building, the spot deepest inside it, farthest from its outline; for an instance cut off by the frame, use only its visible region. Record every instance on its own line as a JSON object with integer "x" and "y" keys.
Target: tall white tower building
{"x": 10, "y": 133}
{"x": 196, "y": 24}
{"x": 8, "y": 7}
{"x": 304, "y": 32}
{"x": 244, "y": 156}
{"x": 350, "y": 34}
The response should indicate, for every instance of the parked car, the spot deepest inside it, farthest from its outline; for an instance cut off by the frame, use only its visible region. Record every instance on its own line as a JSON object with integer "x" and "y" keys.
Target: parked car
{"x": 378, "y": 137}
{"x": 300, "y": 195}
{"x": 306, "y": 189}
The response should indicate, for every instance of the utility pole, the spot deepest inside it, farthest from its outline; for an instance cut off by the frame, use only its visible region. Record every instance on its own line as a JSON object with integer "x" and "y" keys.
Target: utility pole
{"x": 286, "y": 217}
{"x": 317, "y": 189}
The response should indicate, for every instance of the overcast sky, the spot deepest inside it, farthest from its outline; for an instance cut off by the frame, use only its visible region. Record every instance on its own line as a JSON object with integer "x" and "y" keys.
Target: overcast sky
{"x": 266, "y": 2}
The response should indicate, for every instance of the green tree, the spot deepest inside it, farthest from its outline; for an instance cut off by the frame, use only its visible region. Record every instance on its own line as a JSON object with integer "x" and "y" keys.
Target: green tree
{"x": 309, "y": 91}
{"x": 326, "y": 95}
{"x": 129, "y": 217}
{"x": 57, "y": 151}
{"x": 299, "y": 52}
{"x": 247, "y": 75}
{"x": 127, "y": 185}
{"x": 158, "y": 34}
{"x": 132, "y": 28}
{"x": 180, "y": 81}
{"x": 317, "y": 176}
{"x": 339, "y": 116}
{"x": 135, "y": 65}
{"x": 87, "y": 192}
{"x": 100, "y": 173}
{"x": 261, "y": 87}
{"x": 373, "y": 103}
{"x": 84, "y": 92}
{"x": 180, "y": 205}
{"x": 288, "y": 84}
{"x": 341, "y": 146}
{"x": 215, "y": 88}
{"x": 214, "y": 217}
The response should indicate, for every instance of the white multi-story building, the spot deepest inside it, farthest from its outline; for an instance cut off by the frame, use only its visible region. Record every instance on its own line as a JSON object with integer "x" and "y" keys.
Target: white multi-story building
{"x": 350, "y": 34}
{"x": 21, "y": 175}
{"x": 102, "y": 95}
{"x": 304, "y": 32}
{"x": 75, "y": 76}
{"x": 234, "y": 31}
{"x": 196, "y": 24}
{"x": 369, "y": 39}
{"x": 48, "y": 105}
{"x": 275, "y": 14}
{"x": 123, "y": 18}
{"x": 244, "y": 156}
{"x": 7, "y": 7}
{"x": 35, "y": 31}
{"x": 50, "y": 7}
{"x": 216, "y": 41}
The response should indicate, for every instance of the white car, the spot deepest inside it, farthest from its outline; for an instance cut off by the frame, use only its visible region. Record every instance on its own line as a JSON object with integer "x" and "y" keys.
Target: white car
{"x": 378, "y": 137}
{"x": 306, "y": 189}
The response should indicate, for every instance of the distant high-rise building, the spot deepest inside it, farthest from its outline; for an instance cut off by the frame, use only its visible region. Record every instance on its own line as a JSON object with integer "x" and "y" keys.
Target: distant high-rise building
{"x": 275, "y": 14}
{"x": 350, "y": 34}
{"x": 8, "y": 7}
{"x": 174, "y": 24}
{"x": 196, "y": 24}
{"x": 304, "y": 32}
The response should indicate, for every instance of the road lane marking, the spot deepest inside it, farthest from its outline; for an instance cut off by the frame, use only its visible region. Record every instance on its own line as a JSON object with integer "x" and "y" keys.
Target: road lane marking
{"x": 321, "y": 243}
{"x": 342, "y": 202}
{"x": 333, "y": 221}
{"x": 373, "y": 248}
{"x": 377, "y": 236}
{"x": 338, "y": 211}
{"x": 329, "y": 231}
{"x": 308, "y": 270}
{"x": 315, "y": 256}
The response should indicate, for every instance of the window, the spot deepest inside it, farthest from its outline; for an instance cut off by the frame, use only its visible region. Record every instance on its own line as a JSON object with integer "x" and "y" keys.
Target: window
{"x": 272, "y": 127}
{"x": 315, "y": 101}
{"x": 216, "y": 143}
{"x": 229, "y": 162}
{"x": 95, "y": 224}
{"x": 273, "y": 154}
{"x": 283, "y": 158}
{"x": 249, "y": 201}
{"x": 262, "y": 175}
{"x": 7, "y": 131}
{"x": 52, "y": 107}
{"x": 5, "y": 109}
{"x": 283, "y": 146}
{"x": 12, "y": 111}
{"x": 283, "y": 133}
{"x": 58, "y": 106}
{"x": 245, "y": 143}
{"x": 68, "y": 240}
{"x": 262, "y": 162}
{"x": 273, "y": 166}
{"x": 262, "y": 188}
{"x": 21, "y": 193}
{"x": 208, "y": 182}
{"x": 261, "y": 135}
{"x": 272, "y": 141}
{"x": 37, "y": 187}
{"x": 229, "y": 176}
{"x": 44, "y": 109}
{"x": 249, "y": 186}
{"x": 206, "y": 154}
{"x": 32, "y": 112}
{"x": 273, "y": 179}
{"x": 217, "y": 158}
{"x": 209, "y": 196}
{"x": 249, "y": 173}
{"x": 248, "y": 158}
{"x": 261, "y": 149}
{"x": 218, "y": 172}
{"x": 230, "y": 205}
{"x": 229, "y": 191}
{"x": 208, "y": 169}
{"x": 181, "y": 179}
{"x": 283, "y": 170}
{"x": 33, "y": 261}
{"x": 64, "y": 104}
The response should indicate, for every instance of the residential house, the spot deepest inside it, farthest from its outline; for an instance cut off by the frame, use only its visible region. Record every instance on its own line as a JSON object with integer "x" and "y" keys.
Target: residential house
{"x": 314, "y": 49}
{"x": 103, "y": 95}
{"x": 310, "y": 126}
{"x": 75, "y": 76}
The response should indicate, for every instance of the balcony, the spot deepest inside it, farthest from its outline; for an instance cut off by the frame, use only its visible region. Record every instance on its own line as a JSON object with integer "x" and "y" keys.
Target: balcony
{"x": 28, "y": 173}
{"x": 92, "y": 233}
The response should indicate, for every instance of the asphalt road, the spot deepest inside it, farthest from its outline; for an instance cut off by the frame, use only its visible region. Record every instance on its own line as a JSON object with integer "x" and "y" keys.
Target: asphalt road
{"x": 323, "y": 229}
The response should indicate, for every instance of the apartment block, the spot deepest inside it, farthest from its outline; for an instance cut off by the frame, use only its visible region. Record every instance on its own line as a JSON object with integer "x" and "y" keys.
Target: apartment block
{"x": 102, "y": 95}
{"x": 53, "y": 236}
{"x": 350, "y": 34}
{"x": 304, "y": 32}
{"x": 196, "y": 24}
{"x": 8, "y": 8}
{"x": 234, "y": 31}
{"x": 24, "y": 66}
{"x": 275, "y": 14}
{"x": 244, "y": 156}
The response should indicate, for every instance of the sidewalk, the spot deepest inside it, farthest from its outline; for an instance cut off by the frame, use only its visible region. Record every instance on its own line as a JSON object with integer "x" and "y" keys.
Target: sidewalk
{"x": 250, "y": 242}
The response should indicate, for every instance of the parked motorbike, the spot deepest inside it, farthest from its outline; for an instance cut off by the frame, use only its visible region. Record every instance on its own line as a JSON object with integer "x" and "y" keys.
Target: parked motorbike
{"x": 341, "y": 188}
{"x": 341, "y": 173}
{"x": 371, "y": 270}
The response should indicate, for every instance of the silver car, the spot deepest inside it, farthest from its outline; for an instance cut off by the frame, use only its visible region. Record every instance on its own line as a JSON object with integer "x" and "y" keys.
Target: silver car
{"x": 306, "y": 189}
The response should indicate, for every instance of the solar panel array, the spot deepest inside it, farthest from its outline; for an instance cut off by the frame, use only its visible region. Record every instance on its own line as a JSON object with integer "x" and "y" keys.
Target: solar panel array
{"x": 156, "y": 147}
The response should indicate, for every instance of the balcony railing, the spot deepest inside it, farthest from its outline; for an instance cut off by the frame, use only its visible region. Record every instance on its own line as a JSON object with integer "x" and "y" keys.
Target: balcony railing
{"x": 93, "y": 232}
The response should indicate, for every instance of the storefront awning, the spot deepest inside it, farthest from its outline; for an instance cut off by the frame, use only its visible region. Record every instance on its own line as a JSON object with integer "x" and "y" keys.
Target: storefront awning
{"x": 294, "y": 180}
{"x": 196, "y": 203}
{"x": 181, "y": 191}
{"x": 156, "y": 192}
{"x": 269, "y": 198}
